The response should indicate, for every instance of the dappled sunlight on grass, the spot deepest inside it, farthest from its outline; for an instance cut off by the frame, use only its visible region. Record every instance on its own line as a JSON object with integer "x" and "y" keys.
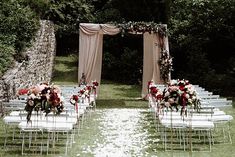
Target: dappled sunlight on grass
{"x": 117, "y": 91}
{"x": 120, "y": 96}
{"x": 65, "y": 69}
{"x": 116, "y": 103}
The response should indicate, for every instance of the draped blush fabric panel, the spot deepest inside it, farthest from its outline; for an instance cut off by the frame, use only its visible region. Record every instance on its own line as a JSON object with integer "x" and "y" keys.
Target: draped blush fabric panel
{"x": 89, "y": 53}
{"x": 89, "y": 28}
{"x": 147, "y": 66}
{"x": 151, "y": 69}
{"x": 91, "y": 47}
{"x": 109, "y": 29}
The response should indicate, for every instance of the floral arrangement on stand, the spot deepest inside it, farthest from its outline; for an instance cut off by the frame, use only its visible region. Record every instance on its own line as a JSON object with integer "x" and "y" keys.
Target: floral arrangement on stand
{"x": 84, "y": 94}
{"x": 155, "y": 92}
{"x": 95, "y": 84}
{"x": 80, "y": 97}
{"x": 155, "y": 96}
{"x": 74, "y": 100}
{"x": 43, "y": 97}
{"x": 178, "y": 93}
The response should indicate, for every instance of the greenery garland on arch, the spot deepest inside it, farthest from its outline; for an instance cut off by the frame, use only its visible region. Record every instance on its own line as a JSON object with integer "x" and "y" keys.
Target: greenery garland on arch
{"x": 142, "y": 27}
{"x": 165, "y": 60}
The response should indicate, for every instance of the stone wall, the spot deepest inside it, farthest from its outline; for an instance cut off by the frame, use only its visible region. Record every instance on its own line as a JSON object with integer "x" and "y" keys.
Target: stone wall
{"x": 38, "y": 67}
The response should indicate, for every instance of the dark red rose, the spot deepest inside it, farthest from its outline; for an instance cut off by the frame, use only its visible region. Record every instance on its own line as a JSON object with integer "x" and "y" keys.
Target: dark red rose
{"x": 159, "y": 97}
{"x": 81, "y": 91}
{"x": 95, "y": 83}
{"x": 88, "y": 88}
{"x": 23, "y": 91}
{"x": 75, "y": 97}
{"x": 181, "y": 87}
{"x": 153, "y": 90}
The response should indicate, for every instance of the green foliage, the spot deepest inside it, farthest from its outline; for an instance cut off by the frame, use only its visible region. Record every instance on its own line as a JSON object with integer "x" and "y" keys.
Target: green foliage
{"x": 131, "y": 66}
{"x": 127, "y": 67}
{"x": 40, "y": 7}
{"x": 6, "y": 57}
{"x": 109, "y": 14}
{"x": 123, "y": 59}
{"x": 7, "y": 39}
{"x": 18, "y": 26}
{"x": 202, "y": 41}
{"x": 142, "y": 27}
{"x": 67, "y": 14}
{"x": 17, "y": 21}
{"x": 131, "y": 10}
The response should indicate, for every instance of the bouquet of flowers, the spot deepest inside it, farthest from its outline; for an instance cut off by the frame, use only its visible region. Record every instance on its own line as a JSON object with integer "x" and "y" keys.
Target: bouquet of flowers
{"x": 155, "y": 92}
{"x": 85, "y": 93}
{"x": 74, "y": 101}
{"x": 95, "y": 84}
{"x": 44, "y": 97}
{"x": 178, "y": 93}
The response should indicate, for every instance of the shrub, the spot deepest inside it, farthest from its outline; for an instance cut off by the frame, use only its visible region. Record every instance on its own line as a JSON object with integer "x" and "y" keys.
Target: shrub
{"x": 202, "y": 42}
{"x": 18, "y": 21}
{"x": 40, "y": 7}
{"x": 18, "y": 26}
{"x": 6, "y": 57}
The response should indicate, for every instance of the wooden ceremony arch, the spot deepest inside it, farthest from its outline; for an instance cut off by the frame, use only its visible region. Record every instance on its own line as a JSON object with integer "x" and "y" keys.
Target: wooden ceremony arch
{"x": 91, "y": 48}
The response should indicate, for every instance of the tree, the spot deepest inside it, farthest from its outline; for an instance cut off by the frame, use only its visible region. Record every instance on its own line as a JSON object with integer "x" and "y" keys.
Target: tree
{"x": 17, "y": 23}
{"x": 18, "y": 26}
{"x": 202, "y": 39}
{"x": 131, "y": 10}
{"x": 67, "y": 15}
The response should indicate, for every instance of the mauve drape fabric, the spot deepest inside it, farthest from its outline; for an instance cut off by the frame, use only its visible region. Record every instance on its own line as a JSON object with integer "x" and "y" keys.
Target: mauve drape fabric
{"x": 151, "y": 69}
{"x": 91, "y": 47}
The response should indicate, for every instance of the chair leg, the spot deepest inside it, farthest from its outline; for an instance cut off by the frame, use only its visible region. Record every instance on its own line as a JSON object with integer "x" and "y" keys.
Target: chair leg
{"x": 6, "y": 135}
{"x": 209, "y": 138}
{"x": 22, "y": 148}
{"x": 48, "y": 141}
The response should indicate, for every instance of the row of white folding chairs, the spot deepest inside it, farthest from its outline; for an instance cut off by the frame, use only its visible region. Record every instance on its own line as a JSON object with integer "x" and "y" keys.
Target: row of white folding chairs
{"x": 181, "y": 128}
{"x": 217, "y": 102}
{"x": 18, "y": 118}
{"x": 52, "y": 128}
{"x": 209, "y": 116}
{"x": 202, "y": 93}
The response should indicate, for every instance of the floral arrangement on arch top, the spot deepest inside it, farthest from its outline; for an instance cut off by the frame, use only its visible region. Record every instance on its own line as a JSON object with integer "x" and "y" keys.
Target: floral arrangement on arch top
{"x": 178, "y": 93}
{"x": 142, "y": 27}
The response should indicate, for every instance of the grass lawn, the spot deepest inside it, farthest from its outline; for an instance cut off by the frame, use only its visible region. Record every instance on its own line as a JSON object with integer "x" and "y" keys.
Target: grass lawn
{"x": 65, "y": 70}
